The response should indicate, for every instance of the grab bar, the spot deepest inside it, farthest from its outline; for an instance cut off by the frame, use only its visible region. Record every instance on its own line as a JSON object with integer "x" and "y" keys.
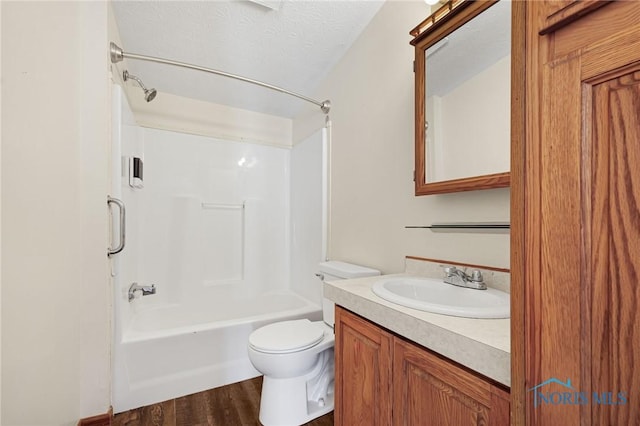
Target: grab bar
{"x": 120, "y": 247}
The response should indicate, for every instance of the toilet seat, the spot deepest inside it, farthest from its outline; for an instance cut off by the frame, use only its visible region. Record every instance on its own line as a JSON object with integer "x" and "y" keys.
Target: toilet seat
{"x": 286, "y": 336}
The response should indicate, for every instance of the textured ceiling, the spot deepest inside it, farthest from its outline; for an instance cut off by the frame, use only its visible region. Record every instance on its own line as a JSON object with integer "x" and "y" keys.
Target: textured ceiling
{"x": 290, "y": 43}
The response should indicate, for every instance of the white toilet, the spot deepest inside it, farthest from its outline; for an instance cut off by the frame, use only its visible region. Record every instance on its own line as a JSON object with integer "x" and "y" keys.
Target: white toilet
{"x": 296, "y": 358}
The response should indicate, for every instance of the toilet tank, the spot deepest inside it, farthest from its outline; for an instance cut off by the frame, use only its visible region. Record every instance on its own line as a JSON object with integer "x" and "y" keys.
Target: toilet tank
{"x": 334, "y": 270}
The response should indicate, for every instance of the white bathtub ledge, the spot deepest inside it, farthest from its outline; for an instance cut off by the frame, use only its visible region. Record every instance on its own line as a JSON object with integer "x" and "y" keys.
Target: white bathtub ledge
{"x": 482, "y": 345}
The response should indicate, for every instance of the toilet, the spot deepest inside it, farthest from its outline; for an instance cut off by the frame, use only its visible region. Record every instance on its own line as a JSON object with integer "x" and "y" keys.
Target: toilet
{"x": 296, "y": 359}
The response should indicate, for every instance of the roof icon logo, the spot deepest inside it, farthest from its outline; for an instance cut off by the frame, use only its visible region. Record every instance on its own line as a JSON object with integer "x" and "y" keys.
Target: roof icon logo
{"x": 566, "y": 384}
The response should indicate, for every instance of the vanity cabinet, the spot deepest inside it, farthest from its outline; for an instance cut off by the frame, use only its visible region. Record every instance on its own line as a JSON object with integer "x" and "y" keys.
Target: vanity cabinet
{"x": 427, "y": 386}
{"x": 383, "y": 379}
{"x": 363, "y": 358}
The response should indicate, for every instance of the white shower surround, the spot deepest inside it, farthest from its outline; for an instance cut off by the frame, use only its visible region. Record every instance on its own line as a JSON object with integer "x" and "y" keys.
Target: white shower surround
{"x": 211, "y": 229}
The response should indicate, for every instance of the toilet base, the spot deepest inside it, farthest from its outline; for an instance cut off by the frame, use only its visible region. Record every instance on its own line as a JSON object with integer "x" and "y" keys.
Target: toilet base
{"x": 298, "y": 400}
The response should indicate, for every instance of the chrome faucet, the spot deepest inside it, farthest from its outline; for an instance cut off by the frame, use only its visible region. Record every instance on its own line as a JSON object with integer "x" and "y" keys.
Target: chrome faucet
{"x": 460, "y": 278}
{"x": 145, "y": 289}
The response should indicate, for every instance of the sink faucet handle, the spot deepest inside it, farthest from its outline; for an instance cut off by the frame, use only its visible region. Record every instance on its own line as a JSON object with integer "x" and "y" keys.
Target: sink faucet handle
{"x": 449, "y": 270}
{"x": 476, "y": 275}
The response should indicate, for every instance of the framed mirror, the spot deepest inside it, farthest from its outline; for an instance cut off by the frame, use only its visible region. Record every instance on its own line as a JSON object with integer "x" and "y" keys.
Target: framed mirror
{"x": 463, "y": 97}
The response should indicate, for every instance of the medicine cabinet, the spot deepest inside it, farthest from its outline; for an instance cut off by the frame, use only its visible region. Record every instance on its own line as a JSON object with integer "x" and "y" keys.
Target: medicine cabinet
{"x": 463, "y": 97}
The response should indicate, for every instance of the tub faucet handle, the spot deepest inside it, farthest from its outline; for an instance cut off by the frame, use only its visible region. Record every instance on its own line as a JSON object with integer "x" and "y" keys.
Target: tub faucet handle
{"x": 145, "y": 289}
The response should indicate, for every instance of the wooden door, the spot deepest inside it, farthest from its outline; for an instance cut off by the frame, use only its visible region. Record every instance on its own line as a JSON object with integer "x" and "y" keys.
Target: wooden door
{"x": 581, "y": 217}
{"x": 363, "y": 372}
{"x": 429, "y": 390}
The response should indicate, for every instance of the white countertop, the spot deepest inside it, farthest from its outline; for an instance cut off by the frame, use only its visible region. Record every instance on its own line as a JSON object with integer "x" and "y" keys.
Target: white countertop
{"x": 482, "y": 345}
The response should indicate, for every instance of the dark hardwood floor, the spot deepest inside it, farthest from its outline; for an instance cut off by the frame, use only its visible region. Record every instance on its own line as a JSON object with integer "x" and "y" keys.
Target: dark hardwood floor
{"x": 233, "y": 405}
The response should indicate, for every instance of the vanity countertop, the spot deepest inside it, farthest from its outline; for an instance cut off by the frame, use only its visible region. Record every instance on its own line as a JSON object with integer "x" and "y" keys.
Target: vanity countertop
{"x": 482, "y": 345}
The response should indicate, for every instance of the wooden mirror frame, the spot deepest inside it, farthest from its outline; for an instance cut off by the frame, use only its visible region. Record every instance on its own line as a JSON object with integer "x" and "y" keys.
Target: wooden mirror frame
{"x": 442, "y": 22}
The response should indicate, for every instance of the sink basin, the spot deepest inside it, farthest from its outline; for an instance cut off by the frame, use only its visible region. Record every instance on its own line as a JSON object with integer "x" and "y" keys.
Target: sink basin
{"x": 433, "y": 295}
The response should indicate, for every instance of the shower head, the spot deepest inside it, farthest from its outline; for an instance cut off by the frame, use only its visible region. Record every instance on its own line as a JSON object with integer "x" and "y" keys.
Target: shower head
{"x": 149, "y": 94}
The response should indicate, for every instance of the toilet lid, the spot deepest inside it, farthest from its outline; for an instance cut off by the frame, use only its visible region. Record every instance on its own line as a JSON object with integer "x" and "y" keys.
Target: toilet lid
{"x": 286, "y": 336}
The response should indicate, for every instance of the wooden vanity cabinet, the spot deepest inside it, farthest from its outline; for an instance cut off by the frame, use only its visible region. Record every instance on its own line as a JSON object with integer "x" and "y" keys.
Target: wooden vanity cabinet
{"x": 382, "y": 379}
{"x": 363, "y": 355}
{"x": 429, "y": 389}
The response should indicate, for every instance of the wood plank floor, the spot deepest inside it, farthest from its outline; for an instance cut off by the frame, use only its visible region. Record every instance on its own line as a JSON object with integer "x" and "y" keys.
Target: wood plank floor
{"x": 233, "y": 405}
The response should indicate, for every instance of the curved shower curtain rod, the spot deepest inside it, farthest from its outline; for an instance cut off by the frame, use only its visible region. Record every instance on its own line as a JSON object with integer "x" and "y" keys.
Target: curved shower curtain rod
{"x": 117, "y": 55}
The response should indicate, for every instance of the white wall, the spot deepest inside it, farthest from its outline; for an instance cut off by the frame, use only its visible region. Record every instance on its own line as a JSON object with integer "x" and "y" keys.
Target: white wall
{"x": 56, "y": 297}
{"x": 372, "y": 199}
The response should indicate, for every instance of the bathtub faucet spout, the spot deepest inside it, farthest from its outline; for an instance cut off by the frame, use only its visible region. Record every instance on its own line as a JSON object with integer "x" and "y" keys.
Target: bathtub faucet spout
{"x": 145, "y": 289}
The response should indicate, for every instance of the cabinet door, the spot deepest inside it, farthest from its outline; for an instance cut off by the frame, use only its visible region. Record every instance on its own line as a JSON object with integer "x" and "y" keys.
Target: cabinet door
{"x": 582, "y": 226}
{"x": 363, "y": 372}
{"x": 431, "y": 390}
{"x": 615, "y": 236}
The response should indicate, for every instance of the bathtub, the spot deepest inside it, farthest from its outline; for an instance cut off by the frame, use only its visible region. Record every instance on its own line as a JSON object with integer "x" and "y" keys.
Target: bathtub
{"x": 174, "y": 350}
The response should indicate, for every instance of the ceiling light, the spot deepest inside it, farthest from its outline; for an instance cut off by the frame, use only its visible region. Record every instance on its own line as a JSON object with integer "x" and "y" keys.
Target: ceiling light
{"x": 432, "y": 2}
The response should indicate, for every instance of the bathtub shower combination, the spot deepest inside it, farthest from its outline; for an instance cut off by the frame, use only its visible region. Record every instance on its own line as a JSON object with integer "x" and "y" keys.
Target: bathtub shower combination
{"x": 229, "y": 233}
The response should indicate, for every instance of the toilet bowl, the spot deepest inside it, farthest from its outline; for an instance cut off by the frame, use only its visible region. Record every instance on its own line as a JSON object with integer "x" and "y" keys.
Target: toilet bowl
{"x": 296, "y": 359}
